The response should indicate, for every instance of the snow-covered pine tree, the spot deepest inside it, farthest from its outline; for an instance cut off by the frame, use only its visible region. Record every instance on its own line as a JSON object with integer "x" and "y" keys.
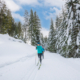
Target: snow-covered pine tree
{"x": 62, "y": 38}
{"x": 58, "y": 21}
{"x": 42, "y": 39}
{"x": 31, "y": 23}
{"x": 78, "y": 24}
{"x": 51, "y": 38}
{"x": 45, "y": 42}
{"x": 26, "y": 25}
{"x": 57, "y": 32}
{"x": 34, "y": 28}
{"x": 73, "y": 27}
{"x": 68, "y": 31}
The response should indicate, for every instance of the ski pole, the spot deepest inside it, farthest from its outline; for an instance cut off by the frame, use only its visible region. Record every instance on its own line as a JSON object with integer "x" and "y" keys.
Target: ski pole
{"x": 35, "y": 59}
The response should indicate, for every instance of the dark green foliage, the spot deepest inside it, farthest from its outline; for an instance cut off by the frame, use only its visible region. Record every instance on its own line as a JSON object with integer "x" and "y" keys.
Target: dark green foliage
{"x": 7, "y": 23}
{"x": 34, "y": 28}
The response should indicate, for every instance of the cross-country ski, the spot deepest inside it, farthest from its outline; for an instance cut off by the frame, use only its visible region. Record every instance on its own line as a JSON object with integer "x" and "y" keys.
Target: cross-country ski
{"x": 39, "y": 66}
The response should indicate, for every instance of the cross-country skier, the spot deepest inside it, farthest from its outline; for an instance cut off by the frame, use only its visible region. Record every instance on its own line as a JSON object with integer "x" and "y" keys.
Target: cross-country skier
{"x": 39, "y": 51}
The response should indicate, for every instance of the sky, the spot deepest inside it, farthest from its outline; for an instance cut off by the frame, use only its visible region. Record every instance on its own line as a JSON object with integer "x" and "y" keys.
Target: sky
{"x": 46, "y": 9}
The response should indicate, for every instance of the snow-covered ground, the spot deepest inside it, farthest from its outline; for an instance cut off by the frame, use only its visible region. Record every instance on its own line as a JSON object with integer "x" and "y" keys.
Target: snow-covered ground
{"x": 17, "y": 62}
{"x": 12, "y": 50}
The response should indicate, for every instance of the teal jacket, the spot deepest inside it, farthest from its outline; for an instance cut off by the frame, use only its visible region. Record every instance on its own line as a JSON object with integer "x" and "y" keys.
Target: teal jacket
{"x": 39, "y": 49}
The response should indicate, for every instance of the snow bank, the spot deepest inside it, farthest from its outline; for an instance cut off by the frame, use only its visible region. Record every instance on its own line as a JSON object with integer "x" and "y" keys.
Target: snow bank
{"x": 11, "y": 50}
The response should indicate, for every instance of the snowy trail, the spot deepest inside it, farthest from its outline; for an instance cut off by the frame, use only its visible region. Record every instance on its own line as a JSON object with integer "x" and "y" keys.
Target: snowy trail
{"x": 17, "y": 70}
{"x": 17, "y": 62}
{"x": 54, "y": 67}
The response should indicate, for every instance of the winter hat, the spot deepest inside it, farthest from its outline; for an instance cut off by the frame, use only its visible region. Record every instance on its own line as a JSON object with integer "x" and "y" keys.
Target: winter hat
{"x": 38, "y": 43}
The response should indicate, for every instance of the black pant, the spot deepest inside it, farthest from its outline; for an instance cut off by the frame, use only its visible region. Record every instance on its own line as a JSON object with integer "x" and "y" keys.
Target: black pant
{"x": 39, "y": 55}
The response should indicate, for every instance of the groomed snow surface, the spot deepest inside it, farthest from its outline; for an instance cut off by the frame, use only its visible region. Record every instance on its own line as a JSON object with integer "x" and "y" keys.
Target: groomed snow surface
{"x": 18, "y": 62}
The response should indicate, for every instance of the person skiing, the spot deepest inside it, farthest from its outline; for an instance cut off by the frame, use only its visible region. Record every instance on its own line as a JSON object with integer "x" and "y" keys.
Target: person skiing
{"x": 43, "y": 52}
{"x": 39, "y": 51}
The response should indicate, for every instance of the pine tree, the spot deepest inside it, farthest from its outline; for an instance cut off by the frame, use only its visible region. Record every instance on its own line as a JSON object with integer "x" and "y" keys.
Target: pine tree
{"x": 19, "y": 30}
{"x": 0, "y": 16}
{"x": 42, "y": 39}
{"x": 26, "y": 25}
{"x": 7, "y": 23}
{"x": 61, "y": 32}
{"x": 51, "y": 38}
{"x": 34, "y": 28}
{"x": 73, "y": 26}
{"x": 45, "y": 43}
{"x": 31, "y": 24}
{"x": 3, "y": 17}
{"x": 13, "y": 28}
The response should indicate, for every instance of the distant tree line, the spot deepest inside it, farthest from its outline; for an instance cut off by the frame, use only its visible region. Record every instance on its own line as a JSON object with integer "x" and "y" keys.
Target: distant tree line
{"x": 7, "y": 23}
{"x": 29, "y": 30}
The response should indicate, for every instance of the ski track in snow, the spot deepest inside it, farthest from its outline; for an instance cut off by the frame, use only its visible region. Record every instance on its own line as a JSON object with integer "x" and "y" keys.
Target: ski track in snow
{"x": 54, "y": 67}
{"x": 31, "y": 75}
{"x": 21, "y": 59}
